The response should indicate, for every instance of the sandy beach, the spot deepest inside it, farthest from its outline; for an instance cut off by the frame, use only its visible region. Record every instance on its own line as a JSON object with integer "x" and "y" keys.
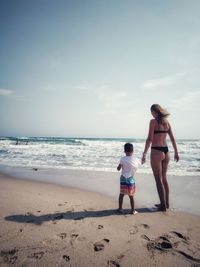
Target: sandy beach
{"x": 51, "y": 225}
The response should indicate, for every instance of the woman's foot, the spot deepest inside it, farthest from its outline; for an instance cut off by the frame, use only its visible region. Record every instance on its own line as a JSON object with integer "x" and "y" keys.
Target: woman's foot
{"x": 119, "y": 210}
{"x": 162, "y": 208}
{"x": 159, "y": 206}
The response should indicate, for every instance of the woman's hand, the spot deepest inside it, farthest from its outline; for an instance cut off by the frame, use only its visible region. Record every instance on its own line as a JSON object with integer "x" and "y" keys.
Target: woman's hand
{"x": 143, "y": 160}
{"x": 176, "y": 157}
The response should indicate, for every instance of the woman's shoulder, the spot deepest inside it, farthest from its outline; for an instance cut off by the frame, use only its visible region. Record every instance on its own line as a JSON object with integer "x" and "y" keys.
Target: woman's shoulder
{"x": 153, "y": 121}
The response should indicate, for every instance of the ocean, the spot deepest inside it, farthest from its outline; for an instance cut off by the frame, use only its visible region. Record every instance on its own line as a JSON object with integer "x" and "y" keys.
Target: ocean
{"x": 90, "y": 164}
{"x": 97, "y": 154}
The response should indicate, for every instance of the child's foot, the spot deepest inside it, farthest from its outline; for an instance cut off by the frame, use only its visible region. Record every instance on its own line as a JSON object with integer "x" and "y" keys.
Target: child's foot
{"x": 119, "y": 211}
{"x": 133, "y": 212}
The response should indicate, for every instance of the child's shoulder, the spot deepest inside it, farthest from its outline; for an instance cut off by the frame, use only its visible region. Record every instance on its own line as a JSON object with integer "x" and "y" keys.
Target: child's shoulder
{"x": 123, "y": 158}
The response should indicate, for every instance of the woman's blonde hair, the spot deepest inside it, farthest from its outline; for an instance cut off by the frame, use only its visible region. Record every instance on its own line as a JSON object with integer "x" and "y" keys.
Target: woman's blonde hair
{"x": 161, "y": 113}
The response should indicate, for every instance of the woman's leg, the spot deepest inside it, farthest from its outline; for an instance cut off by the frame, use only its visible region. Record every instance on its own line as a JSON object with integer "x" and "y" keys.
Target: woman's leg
{"x": 156, "y": 165}
{"x": 165, "y": 163}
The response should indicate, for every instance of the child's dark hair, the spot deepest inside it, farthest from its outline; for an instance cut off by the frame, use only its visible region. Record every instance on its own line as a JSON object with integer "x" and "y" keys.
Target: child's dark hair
{"x": 128, "y": 147}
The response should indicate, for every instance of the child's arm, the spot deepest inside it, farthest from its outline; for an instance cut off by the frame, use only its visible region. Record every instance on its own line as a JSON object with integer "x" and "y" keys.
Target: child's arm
{"x": 119, "y": 167}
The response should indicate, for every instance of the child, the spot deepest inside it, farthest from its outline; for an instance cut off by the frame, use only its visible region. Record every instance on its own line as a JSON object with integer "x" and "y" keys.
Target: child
{"x": 128, "y": 164}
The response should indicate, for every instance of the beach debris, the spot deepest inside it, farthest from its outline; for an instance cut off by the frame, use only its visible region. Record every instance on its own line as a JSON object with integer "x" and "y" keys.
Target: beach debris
{"x": 100, "y": 226}
{"x": 66, "y": 257}
{"x": 35, "y": 169}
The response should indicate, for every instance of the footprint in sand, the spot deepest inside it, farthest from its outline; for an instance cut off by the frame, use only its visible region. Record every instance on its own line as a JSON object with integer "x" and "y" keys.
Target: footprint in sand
{"x": 115, "y": 263}
{"x": 145, "y": 226}
{"x": 9, "y": 256}
{"x": 112, "y": 263}
{"x": 145, "y": 237}
{"x": 37, "y": 255}
{"x": 62, "y": 235}
{"x": 180, "y": 235}
{"x": 100, "y": 245}
{"x": 167, "y": 243}
{"x": 61, "y": 204}
{"x": 134, "y": 230}
{"x": 74, "y": 236}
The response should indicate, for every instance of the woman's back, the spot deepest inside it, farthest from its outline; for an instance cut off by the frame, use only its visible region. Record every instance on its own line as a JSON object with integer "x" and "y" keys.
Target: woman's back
{"x": 160, "y": 132}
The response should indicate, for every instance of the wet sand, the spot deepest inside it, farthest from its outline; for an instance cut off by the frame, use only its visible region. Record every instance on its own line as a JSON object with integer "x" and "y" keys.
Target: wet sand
{"x": 52, "y": 225}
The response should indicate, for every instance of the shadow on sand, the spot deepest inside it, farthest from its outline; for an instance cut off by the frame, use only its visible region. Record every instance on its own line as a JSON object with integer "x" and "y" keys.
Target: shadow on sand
{"x": 69, "y": 215}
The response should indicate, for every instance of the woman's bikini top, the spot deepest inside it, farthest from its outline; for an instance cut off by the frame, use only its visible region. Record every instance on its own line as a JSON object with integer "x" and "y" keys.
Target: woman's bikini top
{"x": 160, "y": 131}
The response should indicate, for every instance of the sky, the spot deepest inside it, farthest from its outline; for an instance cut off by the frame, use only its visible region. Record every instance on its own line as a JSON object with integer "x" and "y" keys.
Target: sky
{"x": 93, "y": 68}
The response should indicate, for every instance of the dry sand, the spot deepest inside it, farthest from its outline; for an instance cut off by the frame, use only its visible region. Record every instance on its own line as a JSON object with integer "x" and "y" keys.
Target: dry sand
{"x": 48, "y": 225}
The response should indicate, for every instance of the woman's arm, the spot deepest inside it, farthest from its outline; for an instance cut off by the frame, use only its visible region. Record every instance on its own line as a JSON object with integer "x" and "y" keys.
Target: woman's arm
{"x": 149, "y": 140}
{"x": 176, "y": 156}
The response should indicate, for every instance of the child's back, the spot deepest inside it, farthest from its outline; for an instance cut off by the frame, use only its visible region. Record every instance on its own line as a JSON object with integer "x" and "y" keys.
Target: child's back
{"x": 129, "y": 165}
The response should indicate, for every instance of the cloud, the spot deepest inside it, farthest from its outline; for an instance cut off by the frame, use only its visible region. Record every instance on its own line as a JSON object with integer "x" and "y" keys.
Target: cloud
{"x": 113, "y": 100}
{"x": 188, "y": 102}
{"x": 83, "y": 88}
{"x": 163, "y": 82}
{"x": 4, "y": 92}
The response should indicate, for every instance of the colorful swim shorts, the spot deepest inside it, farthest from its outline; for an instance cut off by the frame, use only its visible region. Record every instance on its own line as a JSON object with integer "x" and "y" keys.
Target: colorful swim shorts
{"x": 127, "y": 185}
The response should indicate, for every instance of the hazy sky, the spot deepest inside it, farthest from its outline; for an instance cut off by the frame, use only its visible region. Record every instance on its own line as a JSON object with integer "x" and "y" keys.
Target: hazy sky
{"x": 93, "y": 68}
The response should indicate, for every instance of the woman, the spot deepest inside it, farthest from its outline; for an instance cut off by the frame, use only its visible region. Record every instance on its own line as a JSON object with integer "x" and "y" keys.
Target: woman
{"x": 159, "y": 127}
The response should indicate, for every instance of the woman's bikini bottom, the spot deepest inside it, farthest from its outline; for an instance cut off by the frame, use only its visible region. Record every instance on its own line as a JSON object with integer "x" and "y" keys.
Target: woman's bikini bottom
{"x": 163, "y": 149}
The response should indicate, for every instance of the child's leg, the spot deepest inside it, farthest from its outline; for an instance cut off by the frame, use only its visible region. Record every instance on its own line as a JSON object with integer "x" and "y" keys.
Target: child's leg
{"x": 132, "y": 203}
{"x": 133, "y": 211}
{"x": 121, "y": 197}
